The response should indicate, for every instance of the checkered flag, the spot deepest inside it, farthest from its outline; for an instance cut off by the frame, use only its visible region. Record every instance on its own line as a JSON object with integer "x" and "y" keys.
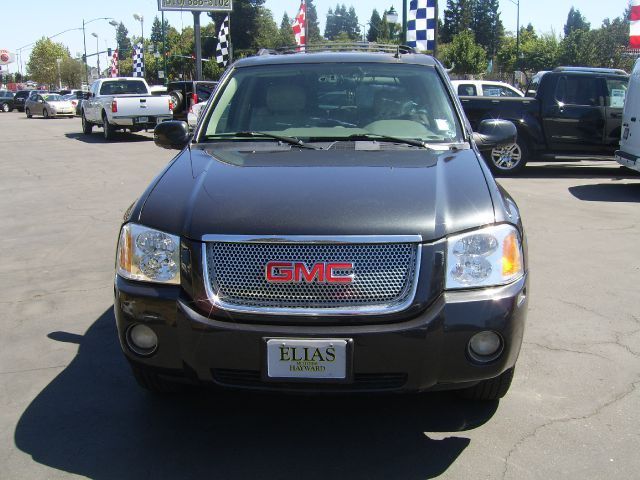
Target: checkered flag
{"x": 138, "y": 60}
{"x": 222, "y": 49}
{"x": 421, "y": 25}
{"x": 114, "y": 64}
{"x": 299, "y": 26}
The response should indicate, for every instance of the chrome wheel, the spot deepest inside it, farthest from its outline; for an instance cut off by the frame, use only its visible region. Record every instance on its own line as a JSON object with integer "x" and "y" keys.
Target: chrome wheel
{"x": 507, "y": 158}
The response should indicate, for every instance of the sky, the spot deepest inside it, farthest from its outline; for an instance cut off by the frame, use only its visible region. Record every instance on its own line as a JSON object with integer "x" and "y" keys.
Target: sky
{"x": 43, "y": 19}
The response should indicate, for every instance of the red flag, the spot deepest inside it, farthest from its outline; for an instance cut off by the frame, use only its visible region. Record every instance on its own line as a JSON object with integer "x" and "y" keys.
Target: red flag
{"x": 634, "y": 25}
{"x": 114, "y": 64}
{"x": 299, "y": 26}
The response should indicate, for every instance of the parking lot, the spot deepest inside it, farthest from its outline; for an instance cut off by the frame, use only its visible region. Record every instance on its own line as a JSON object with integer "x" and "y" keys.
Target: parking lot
{"x": 70, "y": 407}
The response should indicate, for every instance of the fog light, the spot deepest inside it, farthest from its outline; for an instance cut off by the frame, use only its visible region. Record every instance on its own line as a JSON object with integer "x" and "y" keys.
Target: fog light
{"x": 142, "y": 340}
{"x": 485, "y": 346}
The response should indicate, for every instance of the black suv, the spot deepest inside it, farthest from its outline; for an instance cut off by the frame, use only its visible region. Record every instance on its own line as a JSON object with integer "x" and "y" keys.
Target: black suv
{"x": 186, "y": 94}
{"x": 330, "y": 226}
{"x": 19, "y": 98}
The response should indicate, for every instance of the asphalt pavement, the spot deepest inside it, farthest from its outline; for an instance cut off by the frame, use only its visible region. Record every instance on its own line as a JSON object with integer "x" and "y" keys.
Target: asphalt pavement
{"x": 69, "y": 406}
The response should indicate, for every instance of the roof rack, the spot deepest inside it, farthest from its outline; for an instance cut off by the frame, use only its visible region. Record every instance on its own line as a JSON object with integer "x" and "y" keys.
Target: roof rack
{"x": 616, "y": 71}
{"x": 340, "y": 47}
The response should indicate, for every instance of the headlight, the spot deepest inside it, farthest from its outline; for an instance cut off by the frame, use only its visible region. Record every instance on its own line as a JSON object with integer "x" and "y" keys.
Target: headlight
{"x": 482, "y": 258}
{"x": 148, "y": 255}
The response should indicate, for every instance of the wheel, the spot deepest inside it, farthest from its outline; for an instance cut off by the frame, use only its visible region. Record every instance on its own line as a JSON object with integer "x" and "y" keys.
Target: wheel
{"x": 5, "y": 107}
{"x": 509, "y": 160}
{"x": 28, "y": 112}
{"x": 178, "y": 101}
{"x": 492, "y": 389}
{"x": 151, "y": 381}
{"x": 45, "y": 113}
{"x": 86, "y": 125}
{"x": 109, "y": 131}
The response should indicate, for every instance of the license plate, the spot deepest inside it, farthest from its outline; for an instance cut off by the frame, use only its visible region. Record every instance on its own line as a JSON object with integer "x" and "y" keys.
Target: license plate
{"x": 307, "y": 358}
{"x": 143, "y": 119}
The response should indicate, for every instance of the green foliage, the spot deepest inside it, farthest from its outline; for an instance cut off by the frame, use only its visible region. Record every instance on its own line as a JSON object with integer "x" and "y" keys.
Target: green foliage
{"x": 244, "y": 24}
{"x": 267, "y": 33}
{"x": 578, "y": 48}
{"x": 464, "y": 55}
{"x": 374, "y": 26}
{"x": 480, "y": 16}
{"x": 575, "y": 21}
{"x": 122, "y": 40}
{"x": 42, "y": 65}
{"x": 340, "y": 21}
{"x": 285, "y": 34}
{"x": 71, "y": 72}
{"x": 312, "y": 23}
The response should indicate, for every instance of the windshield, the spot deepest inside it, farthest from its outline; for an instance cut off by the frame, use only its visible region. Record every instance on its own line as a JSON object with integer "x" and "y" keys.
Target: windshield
{"x": 329, "y": 101}
{"x": 52, "y": 98}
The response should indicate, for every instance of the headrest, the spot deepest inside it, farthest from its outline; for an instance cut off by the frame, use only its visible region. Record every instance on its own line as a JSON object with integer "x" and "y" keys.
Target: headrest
{"x": 285, "y": 98}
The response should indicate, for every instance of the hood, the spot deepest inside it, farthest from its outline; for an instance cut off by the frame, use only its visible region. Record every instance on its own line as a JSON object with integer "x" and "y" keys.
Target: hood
{"x": 329, "y": 192}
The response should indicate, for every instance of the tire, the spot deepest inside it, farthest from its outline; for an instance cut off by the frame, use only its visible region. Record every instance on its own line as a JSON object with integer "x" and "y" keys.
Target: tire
{"x": 492, "y": 389}
{"x": 178, "y": 101}
{"x": 109, "y": 131}
{"x": 509, "y": 160}
{"x": 28, "y": 112}
{"x": 5, "y": 107}
{"x": 87, "y": 126}
{"x": 45, "y": 113}
{"x": 152, "y": 382}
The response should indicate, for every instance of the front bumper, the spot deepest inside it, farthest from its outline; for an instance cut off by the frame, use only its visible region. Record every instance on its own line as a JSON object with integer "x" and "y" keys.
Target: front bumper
{"x": 427, "y": 351}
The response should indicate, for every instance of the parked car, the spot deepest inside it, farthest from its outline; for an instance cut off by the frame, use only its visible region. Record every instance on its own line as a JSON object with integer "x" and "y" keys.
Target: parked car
{"x": 48, "y": 105}
{"x": 19, "y": 98}
{"x": 185, "y": 94}
{"x": 485, "y": 88}
{"x": 573, "y": 110}
{"x": 75, "y": 99}
{"x": 330, "y": 226}
{"x": 629, "y": 153}
{"x": 123, "y": 104}
{"x": 6, "y": 101}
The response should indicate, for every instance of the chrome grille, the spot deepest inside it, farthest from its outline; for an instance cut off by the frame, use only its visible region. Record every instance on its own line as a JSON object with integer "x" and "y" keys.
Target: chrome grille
{"x": 384, "y": 277}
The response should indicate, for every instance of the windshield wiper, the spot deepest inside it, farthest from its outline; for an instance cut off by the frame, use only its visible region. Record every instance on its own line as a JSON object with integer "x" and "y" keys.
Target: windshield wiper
{"x": 387, "y": 138}
{"x": 249, "y": 134}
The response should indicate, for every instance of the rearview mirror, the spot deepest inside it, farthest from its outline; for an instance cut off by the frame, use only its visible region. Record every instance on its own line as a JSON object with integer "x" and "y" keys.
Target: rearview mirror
{"x": 495, "y": 133}
{"x": 172, "y": 134}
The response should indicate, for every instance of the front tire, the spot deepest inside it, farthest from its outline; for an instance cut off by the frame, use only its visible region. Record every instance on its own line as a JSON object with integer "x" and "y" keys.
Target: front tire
{"x": 509, "y": 160}
{"x": 491, "y": 389}
{"x": 28, "y": 112}
{"x": 45, "y": 113}
{"x": 5, "y": 107}
{"x": 87, "y": 126}
{"x": 109, "y": 131}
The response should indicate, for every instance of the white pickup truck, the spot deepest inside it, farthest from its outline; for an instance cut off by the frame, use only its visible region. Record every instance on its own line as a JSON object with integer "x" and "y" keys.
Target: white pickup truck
{"x": 123, "y": 104}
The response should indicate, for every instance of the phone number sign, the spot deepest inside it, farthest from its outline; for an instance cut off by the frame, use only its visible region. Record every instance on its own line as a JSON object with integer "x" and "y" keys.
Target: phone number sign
{"x": 195, "y": 5}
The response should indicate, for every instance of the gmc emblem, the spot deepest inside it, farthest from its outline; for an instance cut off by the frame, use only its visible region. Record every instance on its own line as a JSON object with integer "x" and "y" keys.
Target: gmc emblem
{"x": 297, "y": 272}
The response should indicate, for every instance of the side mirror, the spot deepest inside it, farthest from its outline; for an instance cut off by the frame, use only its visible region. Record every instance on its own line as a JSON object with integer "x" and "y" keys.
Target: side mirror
{"x": 172, "y": 134}
{"x": 495, "y": 133}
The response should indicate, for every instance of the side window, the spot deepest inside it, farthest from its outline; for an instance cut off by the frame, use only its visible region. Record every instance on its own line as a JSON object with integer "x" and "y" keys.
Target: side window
{"x": 616, "y": 92}
{"x": 491, "y": 91}
{"x": 578, "y": 90}
{"x": 467, "y": 89}
{"x": 203, "y": 91}
{"x": 507, "y": 92}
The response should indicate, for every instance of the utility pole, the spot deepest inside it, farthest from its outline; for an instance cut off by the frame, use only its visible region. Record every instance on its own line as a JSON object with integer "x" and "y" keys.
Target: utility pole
{"x": 198, "y": 44}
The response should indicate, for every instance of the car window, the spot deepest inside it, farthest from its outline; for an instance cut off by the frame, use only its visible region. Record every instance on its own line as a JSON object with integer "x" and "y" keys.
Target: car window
{"x": 52, "y": 98}
{"x": 123, "y": 87}
{"x": 467, "y": 89}
{"x": 616, "y": 92}
{"x": 203, "y": 90}
{"x": 498, "y": 91}
{"x": 578, "y": 90}
{"x": 334, "y": 101}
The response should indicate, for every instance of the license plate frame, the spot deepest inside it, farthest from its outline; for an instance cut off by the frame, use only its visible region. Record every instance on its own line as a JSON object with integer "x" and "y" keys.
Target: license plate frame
{"x": 142, "y": 120}
{"x": 272, "y": 373}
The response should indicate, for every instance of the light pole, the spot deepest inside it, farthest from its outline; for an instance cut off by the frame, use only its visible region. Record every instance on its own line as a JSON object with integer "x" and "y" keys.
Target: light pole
{"x": 84, "y": 40}
{"x": 140, "y": 18}
{"x": 58, "y": 60}
{"x": 517, "y": 4}
{"x": 97, "y": 51}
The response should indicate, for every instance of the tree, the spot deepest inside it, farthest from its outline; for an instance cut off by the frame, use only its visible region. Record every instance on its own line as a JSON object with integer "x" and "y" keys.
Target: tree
{"x": 122, "y": 40}
{"x": 71, "y": 72}
{"x": 156, "y": 30}
{"x": 575, "y": 21}
{"x": 465, "y": 55}
{"x": 312, "y": 23}
{"x": 43, "y": 65}
{"x": 267, "y": 33}
{"x": 244, "y": 25}
{"x": 579, "y": 49}
{"x": 487, "y": 25}
{"x": 285, "y": 35}
{"x": 374, "y": 26}
{"x": 458, "y": 17}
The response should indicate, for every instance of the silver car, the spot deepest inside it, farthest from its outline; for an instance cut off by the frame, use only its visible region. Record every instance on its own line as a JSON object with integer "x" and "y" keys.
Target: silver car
{"x": 48, "y": 105}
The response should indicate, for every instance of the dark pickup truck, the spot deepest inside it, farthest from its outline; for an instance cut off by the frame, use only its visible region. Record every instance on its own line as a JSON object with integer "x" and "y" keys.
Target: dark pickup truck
{"x": 570, "y": 110}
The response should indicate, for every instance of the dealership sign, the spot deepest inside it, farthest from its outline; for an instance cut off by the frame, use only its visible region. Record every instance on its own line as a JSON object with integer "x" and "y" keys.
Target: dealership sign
{"x": 6, "y": 57}
{"x": 196, "y": 5}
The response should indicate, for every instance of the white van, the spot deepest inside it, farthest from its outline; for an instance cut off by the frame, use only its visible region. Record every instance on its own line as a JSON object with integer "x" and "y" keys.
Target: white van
{"x": 629, "y": 153}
